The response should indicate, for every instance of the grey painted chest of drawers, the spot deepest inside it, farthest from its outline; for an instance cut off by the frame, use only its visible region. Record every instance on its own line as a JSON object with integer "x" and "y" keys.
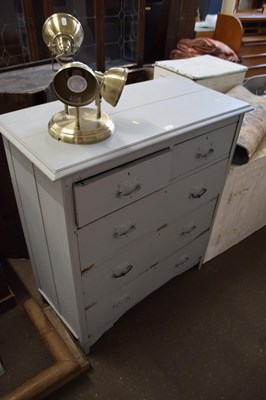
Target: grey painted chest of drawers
{"x": 109, "y": 223}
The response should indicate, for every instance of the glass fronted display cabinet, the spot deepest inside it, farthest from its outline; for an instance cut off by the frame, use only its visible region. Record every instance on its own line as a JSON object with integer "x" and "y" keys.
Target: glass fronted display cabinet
{"x": 117, "y": 32}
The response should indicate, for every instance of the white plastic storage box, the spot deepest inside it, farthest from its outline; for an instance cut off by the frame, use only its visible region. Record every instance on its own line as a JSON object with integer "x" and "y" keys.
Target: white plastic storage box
{"x": 210, "y": 71}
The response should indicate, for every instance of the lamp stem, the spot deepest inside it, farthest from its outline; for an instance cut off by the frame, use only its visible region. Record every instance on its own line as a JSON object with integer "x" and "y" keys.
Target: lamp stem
{"x": 98, "y": 105}
{"x": 66, "y": 108}
{"x": 77, "y": 121}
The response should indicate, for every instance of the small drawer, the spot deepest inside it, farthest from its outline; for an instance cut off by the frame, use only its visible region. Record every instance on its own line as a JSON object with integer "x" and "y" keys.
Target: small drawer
{"x": 107, "y": 192}
{"x": 103, "y": 313}
{"x": 119, "y": 270}
{"x": 110, "y": 234}
{"x": 199, "y": 151}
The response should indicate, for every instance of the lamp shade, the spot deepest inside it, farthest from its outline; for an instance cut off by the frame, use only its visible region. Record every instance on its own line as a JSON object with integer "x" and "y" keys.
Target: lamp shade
{"x": 112, "y": 83}
{"x": 75, "y": 84}
{"x": 62, "y": 33}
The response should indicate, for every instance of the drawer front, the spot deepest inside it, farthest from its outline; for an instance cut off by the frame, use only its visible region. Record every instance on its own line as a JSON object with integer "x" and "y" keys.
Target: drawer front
{"x": 105, "y": 193}
{"x": 117, "y": 230}
{"x": 199, "y": 151}
{"x": 107, "y": 310}
{"x": 117, "y": 271}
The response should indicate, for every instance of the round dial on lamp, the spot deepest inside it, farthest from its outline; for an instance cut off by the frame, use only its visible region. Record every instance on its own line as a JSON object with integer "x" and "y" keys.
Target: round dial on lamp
{"x": 77, "y": 84}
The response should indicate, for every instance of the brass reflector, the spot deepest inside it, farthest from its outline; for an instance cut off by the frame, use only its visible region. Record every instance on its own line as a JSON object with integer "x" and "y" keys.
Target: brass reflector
{"x": 75, "y": 84}
{"x": 62, "y": 33}
{"x": 112, "y": 83}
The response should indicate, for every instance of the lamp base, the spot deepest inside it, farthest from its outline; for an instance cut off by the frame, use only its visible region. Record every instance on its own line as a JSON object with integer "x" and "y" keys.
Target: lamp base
{"x": 83, "y": 130}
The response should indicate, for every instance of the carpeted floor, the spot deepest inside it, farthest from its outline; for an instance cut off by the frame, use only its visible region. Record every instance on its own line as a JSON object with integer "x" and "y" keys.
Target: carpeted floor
{"x": 202, "y": 336}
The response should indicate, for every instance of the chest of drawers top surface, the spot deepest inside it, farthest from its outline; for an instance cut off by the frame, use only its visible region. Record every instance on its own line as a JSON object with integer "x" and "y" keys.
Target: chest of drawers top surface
{"x": 148, "y": 112}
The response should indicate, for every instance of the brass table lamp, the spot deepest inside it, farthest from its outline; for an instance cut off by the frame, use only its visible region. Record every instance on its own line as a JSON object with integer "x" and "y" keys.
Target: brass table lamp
{"x": 77, "y": 85}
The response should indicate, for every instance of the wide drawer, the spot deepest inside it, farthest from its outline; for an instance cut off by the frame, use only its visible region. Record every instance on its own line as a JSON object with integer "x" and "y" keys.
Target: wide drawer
{"x": 110, "y": 234}
{"x": 199, "y": 151}
{"x": 143, "y": 254}
{"x": 107, "y": 192}
{"x": 107, "y": 310}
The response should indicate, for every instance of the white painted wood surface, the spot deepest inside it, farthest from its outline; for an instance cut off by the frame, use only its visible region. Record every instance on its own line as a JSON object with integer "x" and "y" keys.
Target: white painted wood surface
{"x": 242, "y": 209}
{"x": 107, "y": 276}
{"x": 205, "y": 148}
{"x": 22, "y": 173}
{"x": 213, "y": 72}
{"x": 114, "y": 305}
{"x": 123, "y": 227}
{"x": 149, "y": 238}
{"x": 105, "y": 193}
{"x": 147, "y": 113}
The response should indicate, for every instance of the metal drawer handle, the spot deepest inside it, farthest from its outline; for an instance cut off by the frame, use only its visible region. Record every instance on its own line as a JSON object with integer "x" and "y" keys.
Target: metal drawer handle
{"x": 118, "y": 302}
{"x": 182, "y": 260}
{"x": 198, "y": 193}
{"x": 122, "y": 270}
{"x": 188, "y": 229}
{"x": 124, "y": 229}
{"x": 128, "y": 189}
{"x": 205, "y": 152}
